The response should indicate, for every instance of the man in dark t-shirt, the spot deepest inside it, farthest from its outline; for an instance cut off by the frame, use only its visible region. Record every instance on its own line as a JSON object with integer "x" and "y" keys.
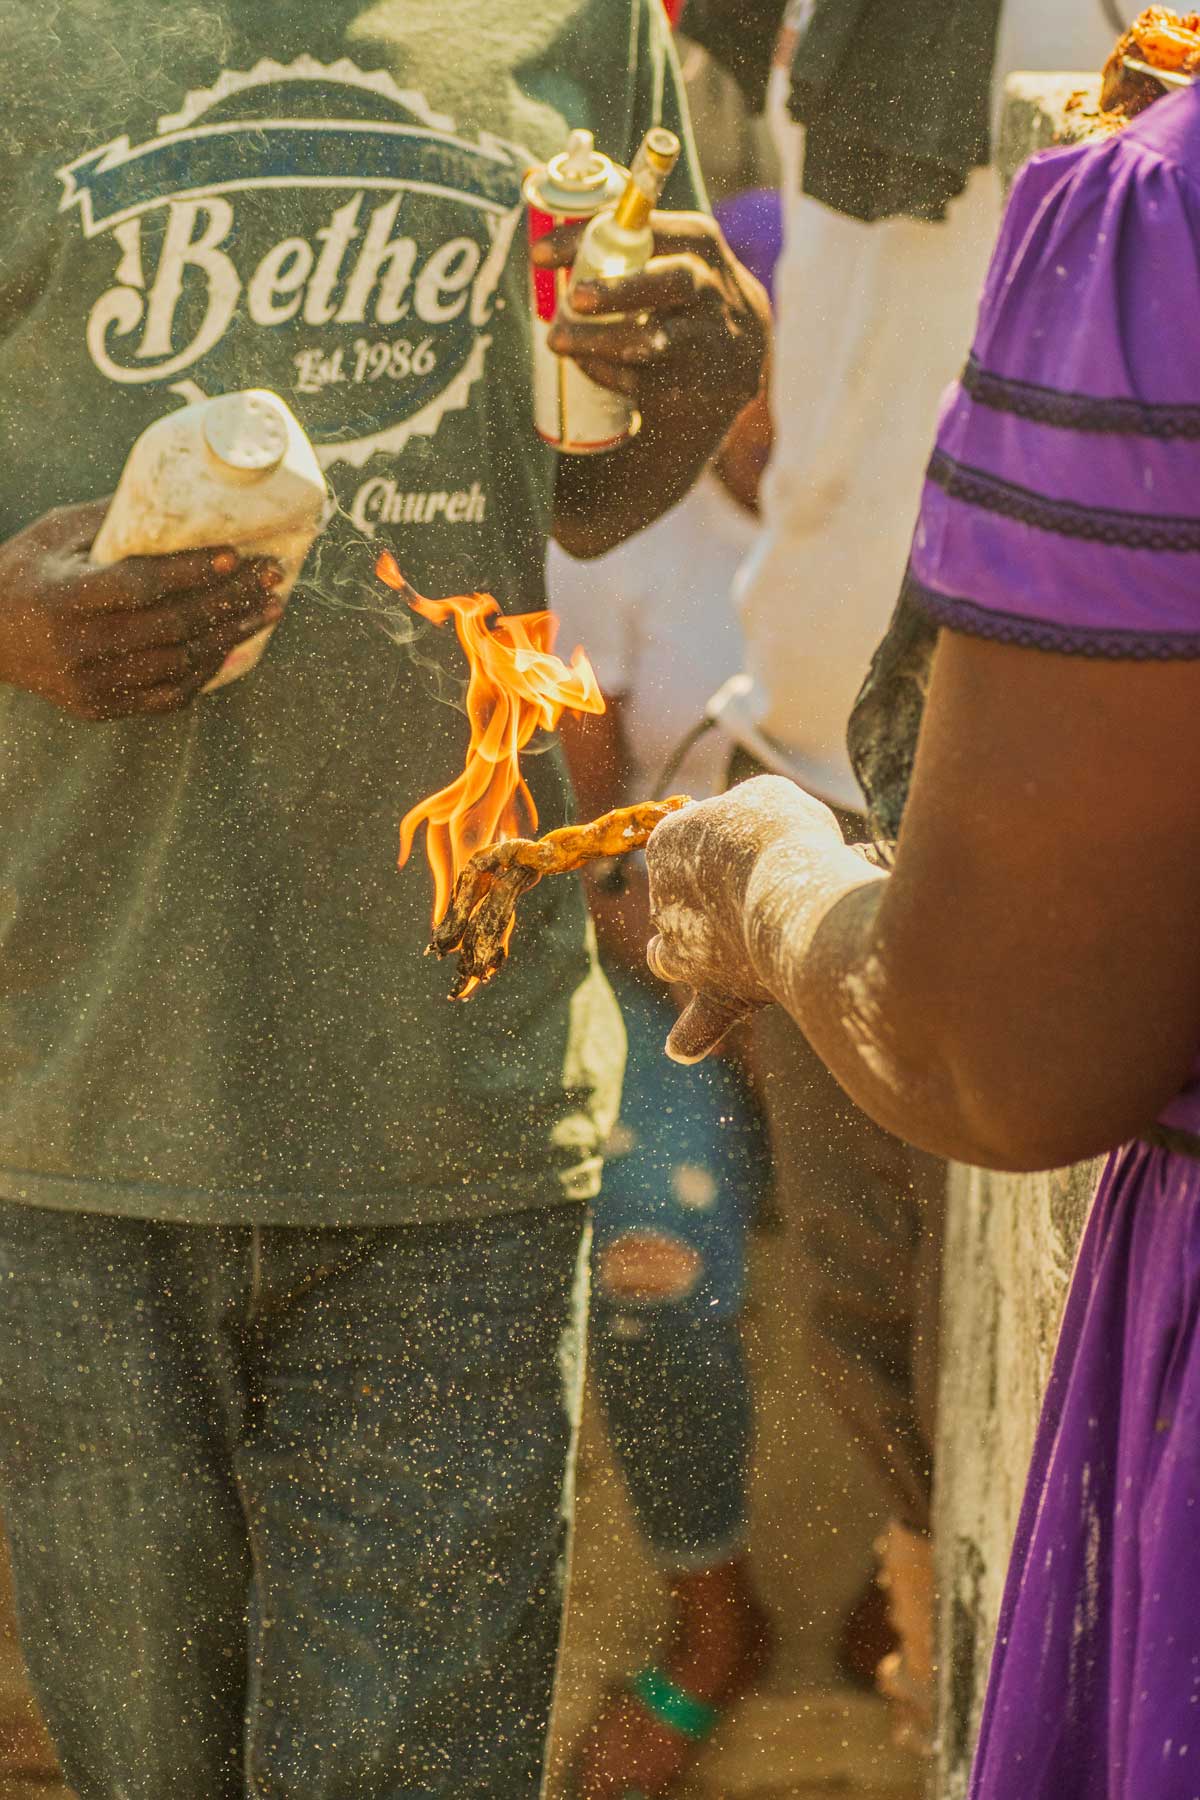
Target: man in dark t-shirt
{"x": 289, "y": 1248}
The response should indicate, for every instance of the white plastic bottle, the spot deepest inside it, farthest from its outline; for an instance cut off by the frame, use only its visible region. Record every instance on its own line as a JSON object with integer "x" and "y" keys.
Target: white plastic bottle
{"x": 234, "y": 470}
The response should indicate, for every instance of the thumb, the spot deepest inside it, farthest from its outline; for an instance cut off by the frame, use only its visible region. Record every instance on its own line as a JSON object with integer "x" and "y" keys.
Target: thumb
{"x": 703, "y": 1023}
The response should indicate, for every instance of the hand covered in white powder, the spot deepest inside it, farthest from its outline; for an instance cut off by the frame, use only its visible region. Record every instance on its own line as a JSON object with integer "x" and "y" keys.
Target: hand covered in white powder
{"x": 702, "y": 863}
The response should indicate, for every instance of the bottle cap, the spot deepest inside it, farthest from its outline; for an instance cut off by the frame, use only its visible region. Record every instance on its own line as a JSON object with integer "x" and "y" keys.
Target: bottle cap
{"x": 657, "y": 155}
{"x": 247, "y": 431}
{"x": 661, "y": 148}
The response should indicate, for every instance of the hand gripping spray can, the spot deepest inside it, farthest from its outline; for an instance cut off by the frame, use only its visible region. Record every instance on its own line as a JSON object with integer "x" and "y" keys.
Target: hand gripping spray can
{"x": 571, "y": 189}
{"x": 618, "y": 242}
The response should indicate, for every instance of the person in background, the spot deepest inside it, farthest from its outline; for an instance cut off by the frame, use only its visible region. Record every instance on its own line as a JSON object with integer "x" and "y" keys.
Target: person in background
{"x": 28, "y": 1766}
{"x": 687, "y": 1166}
{"x": 891, "y": 207}
{"x": 1021, "y": 991}
{"x": 290, "y": 1249}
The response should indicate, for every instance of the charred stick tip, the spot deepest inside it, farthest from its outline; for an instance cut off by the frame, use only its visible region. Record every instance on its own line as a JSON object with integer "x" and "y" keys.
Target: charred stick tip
{"x": 483, "y": 949}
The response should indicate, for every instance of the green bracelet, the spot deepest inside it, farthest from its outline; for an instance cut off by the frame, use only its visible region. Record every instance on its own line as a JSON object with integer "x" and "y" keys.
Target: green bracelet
{"x": 673, "y": 1706}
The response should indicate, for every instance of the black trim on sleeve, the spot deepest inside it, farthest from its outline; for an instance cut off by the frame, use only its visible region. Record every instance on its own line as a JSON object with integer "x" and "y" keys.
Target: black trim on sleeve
{"x": 1038, "y": 634}
{"x": 1093, "y": 524}
{"x": 1078, "y": 412}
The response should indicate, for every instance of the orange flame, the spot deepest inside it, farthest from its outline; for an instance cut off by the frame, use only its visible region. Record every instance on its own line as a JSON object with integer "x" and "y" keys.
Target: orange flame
{"x": 516, "y": 686}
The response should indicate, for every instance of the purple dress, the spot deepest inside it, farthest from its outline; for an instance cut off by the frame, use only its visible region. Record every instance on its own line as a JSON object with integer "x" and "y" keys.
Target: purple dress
{"x": 1062, "y": 512}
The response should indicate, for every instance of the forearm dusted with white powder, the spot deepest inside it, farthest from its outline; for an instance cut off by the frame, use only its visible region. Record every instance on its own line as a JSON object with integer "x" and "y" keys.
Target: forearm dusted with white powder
{"x": 926, "y": 991}
{"x": 816, "y": 934}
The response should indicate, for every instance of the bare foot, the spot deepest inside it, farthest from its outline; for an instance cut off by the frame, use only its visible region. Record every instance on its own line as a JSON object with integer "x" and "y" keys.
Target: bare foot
{"x": 721, "y": 1646}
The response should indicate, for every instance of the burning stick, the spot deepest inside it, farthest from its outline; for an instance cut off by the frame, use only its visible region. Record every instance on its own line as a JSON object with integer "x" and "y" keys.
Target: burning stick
{"x": 479, "y": 829}
{"x": 480, "y": 917}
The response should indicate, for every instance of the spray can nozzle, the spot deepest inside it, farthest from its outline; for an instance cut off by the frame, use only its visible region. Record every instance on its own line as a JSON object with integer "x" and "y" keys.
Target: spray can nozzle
{"x": 579, "y": 158}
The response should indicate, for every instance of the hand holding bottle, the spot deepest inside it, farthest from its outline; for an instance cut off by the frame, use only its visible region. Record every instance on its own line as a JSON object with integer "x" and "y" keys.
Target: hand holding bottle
{"x": 137, "y": 637}
{"x": 691, "y": 328}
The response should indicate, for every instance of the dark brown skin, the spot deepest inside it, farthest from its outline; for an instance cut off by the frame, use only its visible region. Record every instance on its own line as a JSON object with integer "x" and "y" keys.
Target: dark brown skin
{"x": 741, "y": 462}
{"x": 689, "y": 344}
{"x": 139, "y": 637}
{"x": 1024, "y": 990}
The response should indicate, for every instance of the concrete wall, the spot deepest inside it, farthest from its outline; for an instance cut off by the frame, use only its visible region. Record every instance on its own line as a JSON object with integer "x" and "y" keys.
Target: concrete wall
{"x": 1010, "y": 1246}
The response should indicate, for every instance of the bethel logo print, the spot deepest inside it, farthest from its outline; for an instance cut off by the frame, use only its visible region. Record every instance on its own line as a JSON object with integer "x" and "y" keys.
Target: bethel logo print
{"x": 307, "y": 227}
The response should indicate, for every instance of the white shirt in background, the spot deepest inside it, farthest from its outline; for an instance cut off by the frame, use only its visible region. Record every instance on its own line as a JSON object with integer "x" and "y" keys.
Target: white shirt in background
{"x": 656, "y": 617}
{"x": 872, "y": 323}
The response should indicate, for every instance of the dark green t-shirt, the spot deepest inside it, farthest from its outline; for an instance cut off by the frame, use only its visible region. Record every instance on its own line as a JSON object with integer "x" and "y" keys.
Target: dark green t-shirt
{"x": 213, "y": 1005}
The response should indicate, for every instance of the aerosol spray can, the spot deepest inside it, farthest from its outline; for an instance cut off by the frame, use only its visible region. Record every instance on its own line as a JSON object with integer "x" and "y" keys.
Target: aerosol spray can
{"x": 618, "y": 242}
{"x": 571, "y": 189}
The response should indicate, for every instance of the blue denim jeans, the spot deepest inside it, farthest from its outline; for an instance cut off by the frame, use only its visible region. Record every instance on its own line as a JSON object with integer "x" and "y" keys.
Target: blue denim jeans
{"x": 688, "y": 1164}
{"x": 287, "y": 1506}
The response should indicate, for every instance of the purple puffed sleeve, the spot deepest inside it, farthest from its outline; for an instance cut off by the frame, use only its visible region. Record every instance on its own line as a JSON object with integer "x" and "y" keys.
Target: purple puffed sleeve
{"x": 1061, "y": 508}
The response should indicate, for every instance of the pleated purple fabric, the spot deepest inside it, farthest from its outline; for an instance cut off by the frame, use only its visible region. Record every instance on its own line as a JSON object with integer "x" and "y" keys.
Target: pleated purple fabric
{"x": 1095, "y": 1683}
